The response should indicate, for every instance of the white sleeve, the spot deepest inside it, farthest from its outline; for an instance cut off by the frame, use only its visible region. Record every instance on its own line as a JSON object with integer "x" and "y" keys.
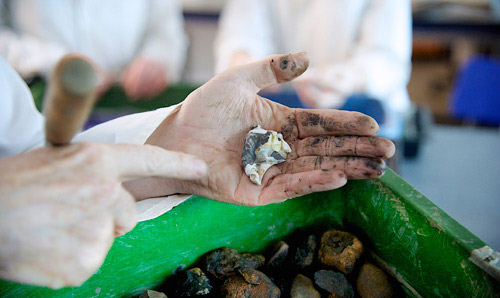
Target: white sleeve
{"x": 28, "y": 55}
{"x": 166, "y": 40}
{"x": 132, "y": 129}
{"x": 244, "y": 25}
{"x": 380, "y": 62}
{"x": 21, "y": 125}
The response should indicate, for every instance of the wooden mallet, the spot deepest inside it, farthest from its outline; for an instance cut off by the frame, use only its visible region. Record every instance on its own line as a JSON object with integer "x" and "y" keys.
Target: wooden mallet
{"x": 69, "y": 98}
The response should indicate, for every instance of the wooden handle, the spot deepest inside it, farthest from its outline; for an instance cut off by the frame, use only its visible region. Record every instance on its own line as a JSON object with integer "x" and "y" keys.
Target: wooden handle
{"x": 69, "y": 98}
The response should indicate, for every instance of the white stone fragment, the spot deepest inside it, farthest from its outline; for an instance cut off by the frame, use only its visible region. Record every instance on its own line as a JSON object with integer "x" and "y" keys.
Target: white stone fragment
{"x": 262, "y": 149}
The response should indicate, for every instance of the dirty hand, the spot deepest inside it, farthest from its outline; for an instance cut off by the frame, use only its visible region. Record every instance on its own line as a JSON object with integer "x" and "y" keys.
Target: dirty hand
{"x": 328, "y": 146}
{"x": 60, "y": 208}
{"x": 144, "y": 78}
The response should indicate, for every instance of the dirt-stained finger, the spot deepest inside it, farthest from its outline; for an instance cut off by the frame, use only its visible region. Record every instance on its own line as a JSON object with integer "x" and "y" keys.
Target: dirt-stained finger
{"x": 376, "y": 147}
{"x": 353, "y": 167}
{"x": 334, "y": 122}
{"x": 270, "y": 71}
{"x": 287, "y": 186}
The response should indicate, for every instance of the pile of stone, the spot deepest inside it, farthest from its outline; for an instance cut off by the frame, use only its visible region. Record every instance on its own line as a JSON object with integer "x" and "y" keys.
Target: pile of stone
{"x": 332, "y": 266}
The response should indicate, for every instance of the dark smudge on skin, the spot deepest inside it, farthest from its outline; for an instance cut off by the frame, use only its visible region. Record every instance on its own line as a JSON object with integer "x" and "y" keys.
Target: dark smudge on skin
{"x": 316, "y": 120}
{"x": 360, "y": 123}
{"x": 287, "y": 68}
{"x": 339, "y": 141}
{"x": 287, "y": 128}
{"x": 318, "y": 162}
{"x": 377, "y": 165}
{"x": 284, "y": 63}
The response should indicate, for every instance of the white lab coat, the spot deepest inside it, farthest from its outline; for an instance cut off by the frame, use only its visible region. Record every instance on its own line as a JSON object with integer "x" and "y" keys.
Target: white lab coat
{"x": 36, "y": 33}
{"x": 21, "y": 129}
{"x": 355, "y": 46}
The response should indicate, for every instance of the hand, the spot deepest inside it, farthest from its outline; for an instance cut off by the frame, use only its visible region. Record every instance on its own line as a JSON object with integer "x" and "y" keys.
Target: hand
{"x": 328, "y": 146}
{"x": 60, "y": 208}
{"x": 319, "y": 97}
{"x": 104, "y": 79}
{"x": 144, "y": 78}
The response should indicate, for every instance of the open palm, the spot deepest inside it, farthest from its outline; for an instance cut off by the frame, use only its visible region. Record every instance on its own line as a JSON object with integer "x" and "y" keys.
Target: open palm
{"x": 328, "y": 146}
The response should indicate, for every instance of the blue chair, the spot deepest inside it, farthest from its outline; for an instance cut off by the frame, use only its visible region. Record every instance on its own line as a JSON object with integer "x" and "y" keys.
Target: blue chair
{"x": 475, "y": 95}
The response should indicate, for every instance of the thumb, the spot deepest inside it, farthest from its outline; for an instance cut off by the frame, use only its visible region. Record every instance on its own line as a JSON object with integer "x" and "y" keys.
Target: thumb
{"x": 138, "y": 161}
{"x": 271, "y": 70}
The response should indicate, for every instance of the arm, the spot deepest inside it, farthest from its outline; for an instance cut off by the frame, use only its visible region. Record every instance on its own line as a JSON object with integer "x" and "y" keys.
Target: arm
{"x": 27, "y": 54}
{"x": 21, "y": 125}
{"x": 380, "y": 61}
{"x": 245, "y": 33}
{"x": 163, "y": 54}
{"x": 165, "y": 40}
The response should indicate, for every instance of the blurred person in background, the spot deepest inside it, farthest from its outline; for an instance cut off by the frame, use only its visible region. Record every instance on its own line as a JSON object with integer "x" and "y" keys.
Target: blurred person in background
{"x": 360, "y": 50}
{"x": 139, "y": 44}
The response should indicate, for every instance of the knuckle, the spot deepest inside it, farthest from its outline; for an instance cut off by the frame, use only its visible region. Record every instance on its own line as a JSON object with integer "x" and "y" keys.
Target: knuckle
{"x": 89, "y": 153}
{"x": 155, "y": 158}
{"x": 105, "y": 190}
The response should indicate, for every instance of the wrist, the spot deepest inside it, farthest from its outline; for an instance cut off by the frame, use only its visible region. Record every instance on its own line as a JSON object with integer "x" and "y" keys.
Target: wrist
{"x": 163, "y": 136}
{"x": 166, "y": 134}
{"x": 146, "y": 188}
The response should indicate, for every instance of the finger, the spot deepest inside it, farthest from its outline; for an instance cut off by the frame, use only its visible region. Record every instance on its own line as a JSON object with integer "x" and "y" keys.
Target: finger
{"x": 151, "y": 82}
{"x": 134, "y": 74}
{"x": 353, "y": 167}
{"x": 305, "y": 95}
{"x": 125, "y": 213}
{"x": 126, "y": 77}
{"x": 137, "y": 161}
{"x": 346, "y": 146}
{"x": 287, "y": 186}
{"x": 271, "y": 70}
{"x": 334, "y": 122}
{"x": 152, "y": 86}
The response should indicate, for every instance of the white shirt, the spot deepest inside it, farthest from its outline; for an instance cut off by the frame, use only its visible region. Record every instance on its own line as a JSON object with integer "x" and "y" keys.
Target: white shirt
{"x": 21, "y": 129}
{"x": 354, "y": 45}
{"x": 110, "y": 32}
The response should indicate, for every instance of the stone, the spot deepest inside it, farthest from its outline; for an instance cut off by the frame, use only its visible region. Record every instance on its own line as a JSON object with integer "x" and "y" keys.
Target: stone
{"x": 262, "y": 149}
{"x": 373, "y": 282}
{"x": 340, "y": 250}
{"x": 224, "y": 261}
{"x": 249, "y": 283}
{"x": 304, "y": 254}
{"x": 334, "y": 283}
{"x": 251, "y": 261}
{"x": 191, "y": 283}
{"x": 278, "y": 255}
{"x": 303, "y": 287}
{"x": 152, "y": 294}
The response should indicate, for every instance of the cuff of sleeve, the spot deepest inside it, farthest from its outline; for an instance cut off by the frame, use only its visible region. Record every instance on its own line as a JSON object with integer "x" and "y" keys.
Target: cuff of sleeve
{"x": 152, "y": 208}
{"x": 131, "y": 129}
{"x": 139, "y": 127}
